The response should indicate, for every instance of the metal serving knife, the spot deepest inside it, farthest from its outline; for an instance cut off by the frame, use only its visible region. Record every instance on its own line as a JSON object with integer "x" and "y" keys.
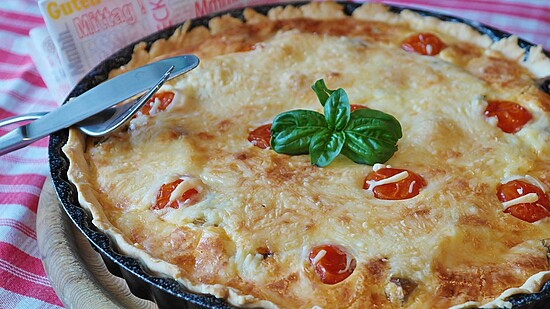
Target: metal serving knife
{"x": 95, "y": 100}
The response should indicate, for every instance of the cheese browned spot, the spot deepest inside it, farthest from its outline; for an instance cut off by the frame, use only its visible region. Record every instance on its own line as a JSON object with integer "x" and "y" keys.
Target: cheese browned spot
{"x": 398, "y": 289}
{"x": 248, "y": 237}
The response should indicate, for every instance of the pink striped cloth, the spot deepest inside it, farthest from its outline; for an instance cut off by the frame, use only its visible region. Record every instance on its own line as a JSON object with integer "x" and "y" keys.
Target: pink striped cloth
{"x": 23, "y": 282}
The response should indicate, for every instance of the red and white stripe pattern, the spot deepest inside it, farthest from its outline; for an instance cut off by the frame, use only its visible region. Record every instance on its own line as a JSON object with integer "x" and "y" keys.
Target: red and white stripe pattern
{"x": 23, "y": 282}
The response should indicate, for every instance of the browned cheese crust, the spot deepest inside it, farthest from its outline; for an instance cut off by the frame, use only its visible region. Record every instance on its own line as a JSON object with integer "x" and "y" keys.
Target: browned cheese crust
{"x": 261, "y": 212}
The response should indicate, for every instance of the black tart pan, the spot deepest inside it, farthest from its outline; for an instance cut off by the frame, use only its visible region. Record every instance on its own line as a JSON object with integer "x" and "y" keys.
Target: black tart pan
{"x": 168, "y": 293}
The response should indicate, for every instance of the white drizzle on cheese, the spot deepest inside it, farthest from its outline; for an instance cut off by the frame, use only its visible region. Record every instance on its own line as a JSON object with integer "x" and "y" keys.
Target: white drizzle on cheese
{"x": 524, "y": 199}
{"x": 139, "y": 121}
{"x": 318, "y": 256}
{"x": 429, "y": 49}
{"x": 377, "y": 166}
{"x": 155, "y": 106}
{"x": 349, "y": 259}
{"x": 188, "y": 183}
{"x": 393, "y": 179}
{"x": 411, "y": 186}
{"x": 527, "y": 198}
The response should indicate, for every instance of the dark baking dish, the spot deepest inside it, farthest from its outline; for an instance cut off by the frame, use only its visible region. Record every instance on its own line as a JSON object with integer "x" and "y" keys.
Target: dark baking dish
{"x": 168, "y": 293}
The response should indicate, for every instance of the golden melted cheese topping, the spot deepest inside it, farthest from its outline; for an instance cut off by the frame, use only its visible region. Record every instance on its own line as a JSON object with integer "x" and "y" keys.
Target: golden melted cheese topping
{"x": 259, "y": 214}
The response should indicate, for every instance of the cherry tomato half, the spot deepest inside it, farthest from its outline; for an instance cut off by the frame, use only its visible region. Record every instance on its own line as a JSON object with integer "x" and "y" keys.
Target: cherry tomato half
{"x": 163, "y": 196}
{"x": 261, "y": 136}
{"x": 529, "y": 212}
{"x": 353, "y": 107}
{"x": 423, "y": 43}
{"x": 399, "y": 190}
{"x": 331, "y": 263}
{"x": 165, "y": 100}
{"x": 511, "y": 116}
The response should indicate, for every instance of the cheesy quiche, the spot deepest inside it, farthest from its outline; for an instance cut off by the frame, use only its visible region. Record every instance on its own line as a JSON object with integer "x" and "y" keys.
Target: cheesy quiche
{"x": 435, "y": 194}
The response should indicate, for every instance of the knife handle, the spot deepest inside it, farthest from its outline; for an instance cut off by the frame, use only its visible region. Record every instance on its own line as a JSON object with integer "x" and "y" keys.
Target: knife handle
{"x": 17, "y": 138}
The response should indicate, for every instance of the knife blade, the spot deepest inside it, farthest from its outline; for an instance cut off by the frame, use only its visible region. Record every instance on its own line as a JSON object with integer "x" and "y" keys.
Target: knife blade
{"x": 95, "y": 100}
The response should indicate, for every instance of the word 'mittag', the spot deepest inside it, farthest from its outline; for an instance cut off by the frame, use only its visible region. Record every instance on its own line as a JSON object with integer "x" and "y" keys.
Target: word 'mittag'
{"x": 103, "y": 19}
{"x": 85, "y": 32}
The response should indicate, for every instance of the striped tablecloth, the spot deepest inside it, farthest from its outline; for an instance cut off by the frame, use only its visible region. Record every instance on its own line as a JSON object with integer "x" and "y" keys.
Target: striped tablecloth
{"x": 23, "y": 282}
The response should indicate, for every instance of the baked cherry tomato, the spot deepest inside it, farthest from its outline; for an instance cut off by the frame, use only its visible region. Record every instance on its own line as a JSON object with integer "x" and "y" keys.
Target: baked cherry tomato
{"x": 163, "y": 196}
{"x": 529, "y": 212}
{"x": 165, "y": 100}
{"x": 398, "y": 190}
{"x": 511, "y": 116}
{"x": 331, "y": 263}
{"x": 261, "y": 136}
{"x": 353, "y": 107}
{"x": 423, "y": 43}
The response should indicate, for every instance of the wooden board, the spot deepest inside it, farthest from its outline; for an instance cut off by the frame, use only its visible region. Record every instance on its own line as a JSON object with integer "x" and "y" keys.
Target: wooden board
{"x": 77, "y": 273}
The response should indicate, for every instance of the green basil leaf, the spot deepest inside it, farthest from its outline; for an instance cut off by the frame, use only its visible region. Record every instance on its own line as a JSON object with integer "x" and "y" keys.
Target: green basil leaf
{"x": 322, "y": 92}
{"x": 364, "y": 149}
{"x": 337, "y": 110}
{"x": 365, "y": 136}
{"x": 325, "y": 146}
{"x": 291, "y": 131}
{"x": 371, "y": 136}
{"x": 370, "y": 119}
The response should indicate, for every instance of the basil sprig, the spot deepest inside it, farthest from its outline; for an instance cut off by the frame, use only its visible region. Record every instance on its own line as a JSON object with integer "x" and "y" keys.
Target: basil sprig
{"x": 366, "y": 136}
